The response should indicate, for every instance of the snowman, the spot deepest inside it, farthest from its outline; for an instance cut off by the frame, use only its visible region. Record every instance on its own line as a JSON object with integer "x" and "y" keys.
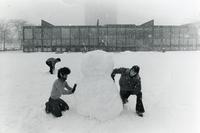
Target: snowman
{"x": 97, "y": 95}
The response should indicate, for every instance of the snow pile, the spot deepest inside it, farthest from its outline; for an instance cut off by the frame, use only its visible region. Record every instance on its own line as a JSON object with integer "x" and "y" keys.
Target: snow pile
{"x": 97, "y": 95}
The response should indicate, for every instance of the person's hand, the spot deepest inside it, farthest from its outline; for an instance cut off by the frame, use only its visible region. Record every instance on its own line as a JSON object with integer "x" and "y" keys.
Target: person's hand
{"x": 74, "y": 88}
{"x": 113, "y": 77}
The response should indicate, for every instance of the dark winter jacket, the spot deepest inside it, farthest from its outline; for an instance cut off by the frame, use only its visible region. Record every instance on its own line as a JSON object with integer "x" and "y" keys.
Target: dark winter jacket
{"x": 51, "y": 61}
{"x": 127, "y": 83}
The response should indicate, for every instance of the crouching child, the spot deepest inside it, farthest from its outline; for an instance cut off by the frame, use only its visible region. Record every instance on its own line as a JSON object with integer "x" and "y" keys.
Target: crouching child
{"x": 56, "y": 105}
{"x": 51, "y": 62}
{"x": 130, "y": 84}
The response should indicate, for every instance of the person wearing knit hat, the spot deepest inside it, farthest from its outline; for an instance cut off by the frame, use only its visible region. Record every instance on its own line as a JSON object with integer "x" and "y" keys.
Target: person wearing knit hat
{"x": 130, "y": 84}
{"x": 136, "y": 68}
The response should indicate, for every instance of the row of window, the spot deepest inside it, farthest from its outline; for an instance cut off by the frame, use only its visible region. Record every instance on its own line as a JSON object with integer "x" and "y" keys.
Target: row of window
{"x": 139, "y": 33}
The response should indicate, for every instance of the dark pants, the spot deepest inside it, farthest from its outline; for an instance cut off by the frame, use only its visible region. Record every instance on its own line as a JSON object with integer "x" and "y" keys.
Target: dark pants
{"x": 139, "y": 105}
{"x": 50, "y": 66}
{"x": 55, "y": 106}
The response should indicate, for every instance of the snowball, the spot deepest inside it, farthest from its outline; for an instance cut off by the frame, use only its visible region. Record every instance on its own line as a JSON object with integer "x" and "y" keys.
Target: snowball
{"x": 97, "y": 95}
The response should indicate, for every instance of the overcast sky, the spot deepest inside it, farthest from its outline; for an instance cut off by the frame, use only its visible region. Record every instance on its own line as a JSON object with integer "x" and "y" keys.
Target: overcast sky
{"x": 64, "y": 12}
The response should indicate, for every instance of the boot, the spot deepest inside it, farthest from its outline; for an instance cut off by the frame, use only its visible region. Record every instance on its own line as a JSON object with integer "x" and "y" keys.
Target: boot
{"x": 47, "y": 108}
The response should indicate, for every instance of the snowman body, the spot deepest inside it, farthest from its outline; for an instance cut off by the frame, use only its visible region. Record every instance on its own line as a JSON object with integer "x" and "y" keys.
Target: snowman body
{"x": 97, "y": 95}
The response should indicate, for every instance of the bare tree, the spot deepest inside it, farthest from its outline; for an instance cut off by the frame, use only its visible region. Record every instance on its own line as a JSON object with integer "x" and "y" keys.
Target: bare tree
{"x": 4, "y": 32}
{"x": 17, "y": 25}
{"x": 11, "y": 32}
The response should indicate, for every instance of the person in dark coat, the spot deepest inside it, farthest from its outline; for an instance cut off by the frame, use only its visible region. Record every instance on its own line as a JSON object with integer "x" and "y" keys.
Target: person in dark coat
{"x": 130, "y": 84}
{"x": 51, "y": 62}
{"x": 55, "y": 104}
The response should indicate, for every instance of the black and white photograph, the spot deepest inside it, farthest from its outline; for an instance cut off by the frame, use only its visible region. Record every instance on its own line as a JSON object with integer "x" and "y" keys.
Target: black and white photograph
{"x": 99, "y": 66}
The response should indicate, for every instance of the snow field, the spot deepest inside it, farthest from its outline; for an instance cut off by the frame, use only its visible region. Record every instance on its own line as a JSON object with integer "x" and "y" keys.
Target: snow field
{"x": 170, "y": 86}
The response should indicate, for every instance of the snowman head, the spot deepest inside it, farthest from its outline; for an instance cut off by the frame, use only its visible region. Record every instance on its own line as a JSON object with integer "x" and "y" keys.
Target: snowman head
{"x": 97, "y": 63}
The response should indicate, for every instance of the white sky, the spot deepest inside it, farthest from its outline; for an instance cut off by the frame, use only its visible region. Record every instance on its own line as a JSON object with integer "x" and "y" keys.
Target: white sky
{"x": 63, "y": 12}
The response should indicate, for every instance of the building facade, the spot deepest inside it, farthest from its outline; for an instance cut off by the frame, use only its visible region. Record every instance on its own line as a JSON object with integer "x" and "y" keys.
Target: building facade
{"x": 115, "y": 37}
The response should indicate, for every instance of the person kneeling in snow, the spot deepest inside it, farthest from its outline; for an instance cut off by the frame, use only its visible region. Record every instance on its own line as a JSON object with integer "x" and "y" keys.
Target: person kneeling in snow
{"x": 55, "y": 104}
{"x": 130, "y": 84}
{"x": 51, "y": 62}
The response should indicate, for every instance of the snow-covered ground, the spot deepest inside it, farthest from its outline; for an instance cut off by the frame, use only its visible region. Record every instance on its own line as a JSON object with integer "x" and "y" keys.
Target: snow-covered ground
{"x": 170, "y": 85}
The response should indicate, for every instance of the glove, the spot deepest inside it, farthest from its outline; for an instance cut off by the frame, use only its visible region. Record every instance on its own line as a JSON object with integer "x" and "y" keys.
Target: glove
{"x": 113, "y": 77}
{"x": 74, "y": 88}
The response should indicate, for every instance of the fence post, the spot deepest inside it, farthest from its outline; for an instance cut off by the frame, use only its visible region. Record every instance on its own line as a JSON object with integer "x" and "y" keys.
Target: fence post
{"x": 188, "y": 37}
{"x": 70, "y": 45}
{"x": 79, "y": 36}
{"x": 61, "y": 39}
{"x": 152, "y": 45}
{"x": 135, "y": 38}
{"x": 179, "y": 35}
{"x": 107, "y": 44}
{"x": 143, "y": 38}
{"x": 161, "y": 34}
{"x": 33, "y": 38}
{"x": 116, "y": 38}
{"x": 51, "y": 39}
{"x": 88, "y": 36}
{"x": 42, "y": 38}
{"x": 4, "y": 40}
{"x": 23, "y": 38}
{"x": 170, "y": 37}
{"x": 98, "y": 35}
{"x": 125, "y": 37}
